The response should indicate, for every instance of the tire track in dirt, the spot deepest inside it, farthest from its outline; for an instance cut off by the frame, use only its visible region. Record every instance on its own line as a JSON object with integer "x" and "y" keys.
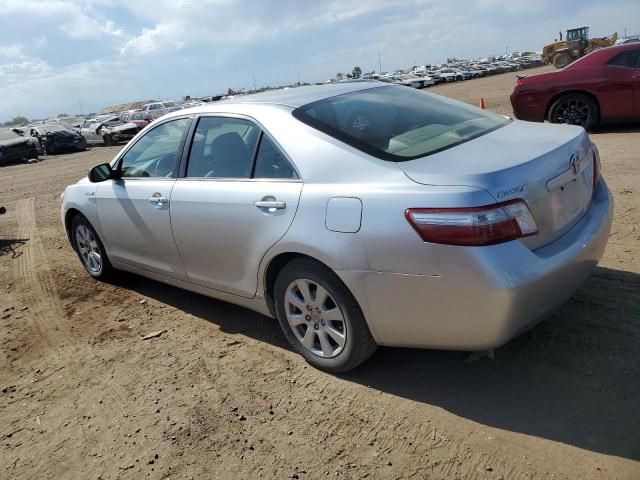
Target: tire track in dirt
{"x": 38, "y": 289}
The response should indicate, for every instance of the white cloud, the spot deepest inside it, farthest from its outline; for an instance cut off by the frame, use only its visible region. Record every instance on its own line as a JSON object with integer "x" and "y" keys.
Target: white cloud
{"x": 82, "y": 27}
{"x": 162, "y": 37}
{"x": 29, "y": 68}
{"x": 11, "y": 51}
{"x": 77, "y": 19}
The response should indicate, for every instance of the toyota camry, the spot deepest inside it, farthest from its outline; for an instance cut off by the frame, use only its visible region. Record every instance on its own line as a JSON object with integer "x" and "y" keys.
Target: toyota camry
{"x": 358, "y": 214}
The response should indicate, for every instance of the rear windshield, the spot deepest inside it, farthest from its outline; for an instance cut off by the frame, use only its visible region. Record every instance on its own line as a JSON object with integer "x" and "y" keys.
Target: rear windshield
{"x": 398, "y": 123}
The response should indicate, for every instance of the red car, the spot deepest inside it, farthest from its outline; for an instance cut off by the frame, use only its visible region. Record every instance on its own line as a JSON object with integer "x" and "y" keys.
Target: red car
{"x": 140, "y": 118}
{"x": 603, "y": 86}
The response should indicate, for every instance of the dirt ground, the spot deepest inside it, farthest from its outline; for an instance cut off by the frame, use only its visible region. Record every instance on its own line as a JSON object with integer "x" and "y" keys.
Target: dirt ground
{"x": 220, "y": 395}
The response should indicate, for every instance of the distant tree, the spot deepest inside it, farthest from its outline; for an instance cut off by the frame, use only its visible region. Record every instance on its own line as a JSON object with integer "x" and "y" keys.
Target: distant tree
{"x": 16, "y": 121}
{"x": 349, "y": 75}
{"x": 339, "y": 76}
{"x": 62, "y": 115}
{"x": 357, "y": 72}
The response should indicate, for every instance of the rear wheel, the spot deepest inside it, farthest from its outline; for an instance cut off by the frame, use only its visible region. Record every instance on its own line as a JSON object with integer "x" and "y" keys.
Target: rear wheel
{"x": 320, "y": 318}
{"x": 575, "y": 109}
{"x": 90, "y": 249}
{"x": 561, "y": 60}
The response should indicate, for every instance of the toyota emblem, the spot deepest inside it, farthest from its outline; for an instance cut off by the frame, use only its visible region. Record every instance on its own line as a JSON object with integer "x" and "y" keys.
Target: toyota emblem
{"x": 574, "y": 163}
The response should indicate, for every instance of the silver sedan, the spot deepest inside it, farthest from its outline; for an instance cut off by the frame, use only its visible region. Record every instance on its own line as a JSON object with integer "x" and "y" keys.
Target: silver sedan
{"x": 357, "y": 214}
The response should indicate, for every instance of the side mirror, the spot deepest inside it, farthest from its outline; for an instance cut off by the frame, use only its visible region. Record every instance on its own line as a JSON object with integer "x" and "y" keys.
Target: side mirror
{"x": 101, "y": 173}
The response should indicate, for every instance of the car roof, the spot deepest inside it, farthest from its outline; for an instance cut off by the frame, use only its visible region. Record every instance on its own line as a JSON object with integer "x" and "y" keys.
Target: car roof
{"x": 299, "y": 96}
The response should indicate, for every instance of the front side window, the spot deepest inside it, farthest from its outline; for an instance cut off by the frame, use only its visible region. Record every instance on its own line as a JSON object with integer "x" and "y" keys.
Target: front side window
{"x": 156, "y": 153}
{"x": 223, "y": 148}
{"x": 630, "y": 59}
{"x": 396, "y": 123}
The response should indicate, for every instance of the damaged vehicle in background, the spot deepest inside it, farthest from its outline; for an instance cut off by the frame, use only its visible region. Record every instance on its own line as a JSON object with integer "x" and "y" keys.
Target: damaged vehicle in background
{"x": 140, "y": 118}
{"x": 108, "y": 130}
{"x": 55, "y": 138}
{"x": 158, "y": 109}
{"x": 14, "y": 147}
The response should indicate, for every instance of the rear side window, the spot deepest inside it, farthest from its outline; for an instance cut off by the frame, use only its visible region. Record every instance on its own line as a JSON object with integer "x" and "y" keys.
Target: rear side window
{"x": 271, "y": 162}
{"x": 222, "y": 148}
{"x": 630, "y": 59}
{"x": 398, "y": 123}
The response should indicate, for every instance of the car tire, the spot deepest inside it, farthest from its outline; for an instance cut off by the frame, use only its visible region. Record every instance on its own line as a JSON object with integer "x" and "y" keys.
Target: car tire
{"x": 320, "y": 317}
{"x": 87, "y": 244}
{"x": 575, "y": 109}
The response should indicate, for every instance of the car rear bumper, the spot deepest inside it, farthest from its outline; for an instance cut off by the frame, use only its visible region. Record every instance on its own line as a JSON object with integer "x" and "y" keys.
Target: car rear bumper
{"x": 490, "y": 295}
{"x": 528, "y": 107}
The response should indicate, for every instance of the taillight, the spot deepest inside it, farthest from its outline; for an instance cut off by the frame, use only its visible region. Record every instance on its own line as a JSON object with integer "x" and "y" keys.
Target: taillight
{"x": 596, "y": 165}
{"x": 473, "y": 226}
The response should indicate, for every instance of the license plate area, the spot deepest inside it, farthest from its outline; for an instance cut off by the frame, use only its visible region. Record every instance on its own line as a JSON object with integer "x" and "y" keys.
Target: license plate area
{"x": 570, "y": 196}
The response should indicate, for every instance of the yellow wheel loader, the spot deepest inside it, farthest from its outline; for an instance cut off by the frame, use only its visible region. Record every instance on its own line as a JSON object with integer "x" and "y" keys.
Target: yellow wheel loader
{"x": 577, "y": 44}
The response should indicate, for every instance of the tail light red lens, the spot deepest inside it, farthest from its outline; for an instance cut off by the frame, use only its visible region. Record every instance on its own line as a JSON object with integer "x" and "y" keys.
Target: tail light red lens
{"x": 473, "y": 226}
{"x": 596, "y": 165}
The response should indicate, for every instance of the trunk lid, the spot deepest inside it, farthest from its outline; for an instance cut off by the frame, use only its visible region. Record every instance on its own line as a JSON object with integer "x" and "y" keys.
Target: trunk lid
{"x": 548, "y": 166}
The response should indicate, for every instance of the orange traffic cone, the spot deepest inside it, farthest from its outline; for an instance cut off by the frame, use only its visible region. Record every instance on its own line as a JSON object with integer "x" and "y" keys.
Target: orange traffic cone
{"x": 482, "y": 103}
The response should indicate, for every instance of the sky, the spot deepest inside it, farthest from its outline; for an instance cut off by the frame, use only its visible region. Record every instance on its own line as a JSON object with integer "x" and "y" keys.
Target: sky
{"x": 78, "y": 56}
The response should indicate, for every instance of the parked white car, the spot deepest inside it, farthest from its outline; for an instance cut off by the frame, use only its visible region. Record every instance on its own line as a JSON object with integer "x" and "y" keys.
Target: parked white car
{"x": 158, "y": 109}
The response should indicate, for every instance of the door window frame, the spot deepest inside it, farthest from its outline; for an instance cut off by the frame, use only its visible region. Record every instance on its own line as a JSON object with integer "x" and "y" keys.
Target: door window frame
{"x": 116, "y": 164}
{"x": 637, "y": 65}
{"x": 182, "y": 175}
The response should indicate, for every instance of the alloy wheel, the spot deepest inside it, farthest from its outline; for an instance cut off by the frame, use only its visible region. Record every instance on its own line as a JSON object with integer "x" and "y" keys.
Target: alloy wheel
{"x": 315, "y": 318}
{"x": 573, "y": 111}
{"x": 88, "y": 248}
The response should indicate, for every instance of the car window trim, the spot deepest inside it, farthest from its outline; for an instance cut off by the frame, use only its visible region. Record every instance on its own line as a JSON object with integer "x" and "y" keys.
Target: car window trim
{"x": 116, "y": 165}
{"x": 637, "y": 65}
{"x": 254, "y": 158}
{"x": 263, "y": 131}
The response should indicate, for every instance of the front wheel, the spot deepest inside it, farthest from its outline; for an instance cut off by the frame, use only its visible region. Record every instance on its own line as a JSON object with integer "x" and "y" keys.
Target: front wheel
{"x": 90, "y": 249}
{"x": 320, "y": 317}
{"x": 561, "y": 60}
{"x": 575, "y": 109}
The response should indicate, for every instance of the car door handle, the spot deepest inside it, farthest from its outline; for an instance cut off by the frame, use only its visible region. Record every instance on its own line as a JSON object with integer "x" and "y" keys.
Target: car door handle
{"x": 157, "y": 199}
{"x": 271, "y": 204}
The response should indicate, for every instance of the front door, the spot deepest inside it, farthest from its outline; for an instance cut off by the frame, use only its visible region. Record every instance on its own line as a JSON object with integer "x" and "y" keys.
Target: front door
{"x": 134, "y": 210}
{"x": 619, "y": 98}
{"x": 237, "y": 199}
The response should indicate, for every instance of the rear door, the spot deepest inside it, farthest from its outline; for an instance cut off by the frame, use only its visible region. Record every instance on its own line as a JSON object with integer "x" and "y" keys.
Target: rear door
{"x": 236, "y": 198}
{"x": 134, "y": 210}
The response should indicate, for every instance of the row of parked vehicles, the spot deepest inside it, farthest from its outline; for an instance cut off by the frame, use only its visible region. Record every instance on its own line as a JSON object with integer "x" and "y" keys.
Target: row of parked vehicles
{"x": 62, "y": 135}
{"x": 429, "y": 75}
